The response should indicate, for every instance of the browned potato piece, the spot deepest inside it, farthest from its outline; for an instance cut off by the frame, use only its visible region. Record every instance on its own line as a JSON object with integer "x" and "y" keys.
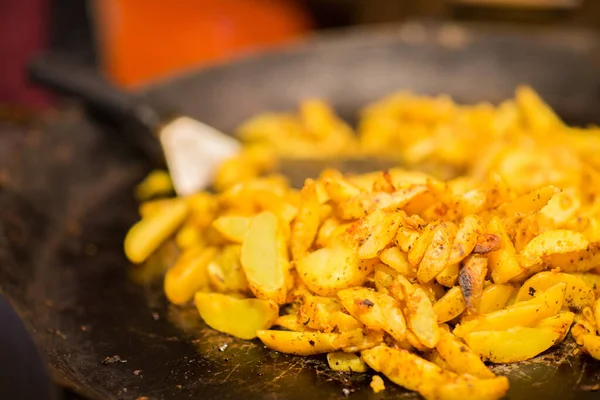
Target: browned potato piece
{"x": 374, "y": 232}
{"x": 436, "y": 256}
{"x": 265, "y": 260}
{"x": 466, "y": 238}
{"x": 398, "y": 260}
{"x": 558, "y": 241}
{"x": 471, "y": 279}
{"x": 561, "y": 323}
{"x": 307, "y": 221}
{"x": 238, "y": 317}
{"x": 375, "y": 310}
{"x": 502, "y": 262}
{"x": 330, "y": 269}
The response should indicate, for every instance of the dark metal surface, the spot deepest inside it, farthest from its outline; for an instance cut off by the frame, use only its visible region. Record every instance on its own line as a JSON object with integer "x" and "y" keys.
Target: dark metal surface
{"x": 66, "y": 202}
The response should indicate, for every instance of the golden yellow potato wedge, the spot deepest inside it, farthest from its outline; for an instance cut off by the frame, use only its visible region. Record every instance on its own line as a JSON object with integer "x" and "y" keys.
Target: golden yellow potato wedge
{"x": 264, "y": 259}
{"x": 346, "y": 362}
{"x": 406, "y": 238}
{"x": 561, "y": 323}
{"x": 406, "y": 369}
{"x": 577, "y": 295}
{"x": 466, "y": 387}
{"x": 558, "y": 241}
{"x": 316, "y": 312}
{"x": 434, "y": 356}
{"x": 421, "y": 244}
{"x": 342, "y": 322}
{"x": 146, "y": 235}
{"x": 375, "y": 310}
{"x": 526, "y": 313}
{"x": 291, "y": 323}
{"x": 537, "y": 114}
{"x": 592, "y": 280}
{"x": 374, "y": 232}
{"x": 330, "y": 269}
{"x": 529, "y": 202}
{"x": 358, "y": 340}
{"x": 188, "y": 236}
{"x": 449, "y": 276}
{"x": 436, "y": 256}
{"x": 237, "y": 317}
{"x": 398, "y": 260}
{"x": 188, "y": 275}
{"x": 299, "y": 343}
{"x": 422, "y": 319}
{"x": 466, "y": 238}
{"x": 450, "y": 306}
{"x": 495, "y": 297}
{"x": 306, "y": 224}
{"x": 511, "y": 345}
{"x": 591, "y": 344}
{"x": 233, "y": 227}
{"x": 157, "y": 182}
{"x": 503, "y": 262}
{"x": 383, "y": 278}
{"x": 596, "y": 310}
{"x": 460, "y": 357}
{"x": 577, "y": 261}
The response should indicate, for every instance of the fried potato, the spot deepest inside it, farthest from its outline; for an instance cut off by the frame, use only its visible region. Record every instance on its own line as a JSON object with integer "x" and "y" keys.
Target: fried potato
{"x": 374, "y": 232}
{"x": 145, "y": 236}
{"x": 188, "y": 275}
{"x": 450, "y": 306}
{"x": 264, "y": 259}
{"x": 233, "y": 228}
{"x": 375, "y": 310}
{"x": 331, "y": 269}
{"x": 238, "y": 317}
{"x": 291, "y": 323}
{"x": 471, "y": 279}
{"x": 406, "y": 369}
{"x": 307, "y": 221}
{"x": 503, "y": 262}
{"x": 558, "y": 241}
{"x": 377, "y": 384}
{"x": 465, "y": 387}
{"x": 449, "y": 276}
{"x": 422, "y": 319}
{"x": 495, "y": 297}
{"x": 526, "y": 313}
{"x": 561, "y": 323}
{"x": 436, "y": 256}
{"x": 460, "y": 357}
{"x": 577, "y": 294}
{"x": 466, "y": 238}
{"x": 299, "y": 343}
{"x": 346, "y": 362}
{"x": 591, "y": 344}
{"x": 513, "y": 344}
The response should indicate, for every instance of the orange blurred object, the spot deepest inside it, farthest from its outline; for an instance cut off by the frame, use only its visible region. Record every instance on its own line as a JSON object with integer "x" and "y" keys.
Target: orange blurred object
{"x": 141, "y": 40}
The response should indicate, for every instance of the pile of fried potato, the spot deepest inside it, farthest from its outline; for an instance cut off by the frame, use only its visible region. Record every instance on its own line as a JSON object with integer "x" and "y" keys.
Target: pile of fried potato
{"x": 420, "y": 279}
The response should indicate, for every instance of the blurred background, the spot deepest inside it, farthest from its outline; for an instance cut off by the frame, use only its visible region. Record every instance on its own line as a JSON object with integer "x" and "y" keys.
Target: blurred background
{"x": 134, "y": 42}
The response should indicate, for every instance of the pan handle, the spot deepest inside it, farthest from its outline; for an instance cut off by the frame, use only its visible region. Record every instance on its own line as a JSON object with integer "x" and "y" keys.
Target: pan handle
{"x": 138, "y": 120}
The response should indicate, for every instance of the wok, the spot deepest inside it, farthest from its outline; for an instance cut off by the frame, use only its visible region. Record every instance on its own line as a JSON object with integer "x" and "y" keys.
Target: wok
{"x": 67, "y": 204}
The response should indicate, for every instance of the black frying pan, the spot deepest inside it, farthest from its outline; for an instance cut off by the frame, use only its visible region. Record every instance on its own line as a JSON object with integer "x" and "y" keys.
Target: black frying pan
{"x": 68, "y": 203}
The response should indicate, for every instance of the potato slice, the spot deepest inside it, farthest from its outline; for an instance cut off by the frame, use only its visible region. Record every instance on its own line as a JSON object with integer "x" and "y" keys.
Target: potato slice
{"x": 526, "y": 313}
{"x": 375, "y": 310}
{"x": 502, "y": 262}
{"x": 561, "y": 323}
{"x": 406, "y": 369}
{"x": 450, "y": 306}
{"x": 264, "y": 259}
{"x": 291, "y": 323}
{"x": 299, "y": 343}
{"x": 233, "y": 227}
{"x": 377, "y": 384}
{"x": 358, "y": 340}
{"x": 421, "y": 244}
{"x": 346, "y": 362}
{"x": 374, "y": 232}
{"x": 330, "y": 269}
{"x": 577, "y": 261}
{"x": 436, "y": 256}
{"x": 529, "y": 202}
{"x": 591, "y": 344}
{"x": 558, "y": 241}
{"x": 495, "y": 297}
{"x": 460, "y": 357}
{"x": 466, "y": 387}
{"x": 471, "y": 279}
{"x": 422, "y": 319}
{"x": 145, "y": 236}
{"x": 577, "y": 295}
{"x": 592, "y": 280}
{"x": 398, "y": 260}
{"x": 188, "y": 275}
{"x": 511, "y": 345}
{"x": 466, "y": 238}
{"x": 306, "y": 224}
{"x": 238, "y": 317}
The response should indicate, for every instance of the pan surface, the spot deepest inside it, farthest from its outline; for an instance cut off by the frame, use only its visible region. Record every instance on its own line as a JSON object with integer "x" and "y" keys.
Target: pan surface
{"x": 66, "y": 203}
